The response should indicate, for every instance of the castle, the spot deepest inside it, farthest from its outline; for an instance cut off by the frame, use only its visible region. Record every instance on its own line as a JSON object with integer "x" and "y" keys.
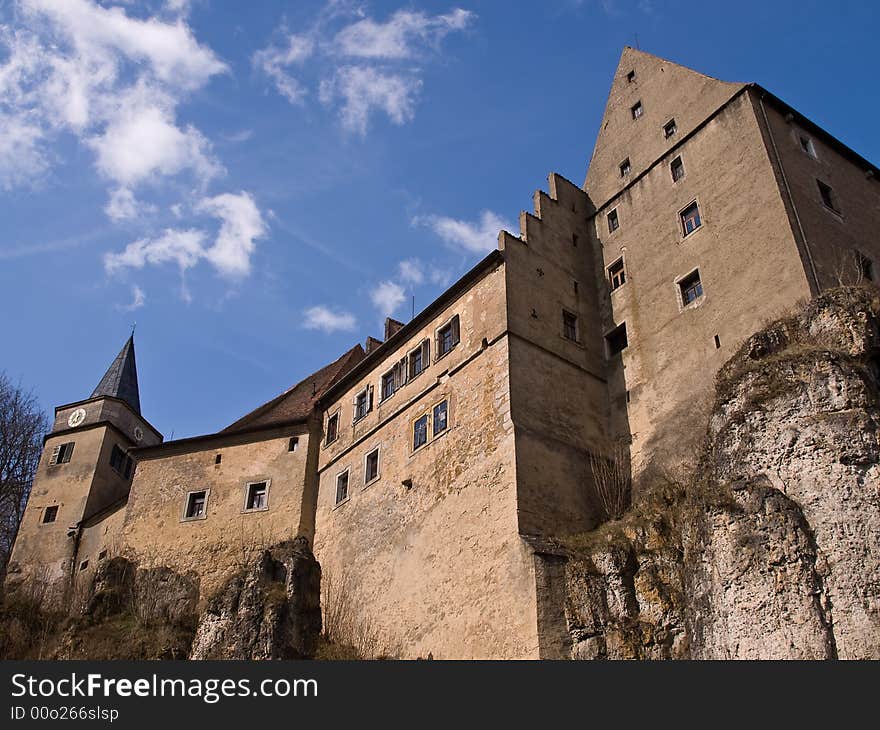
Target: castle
{"x": 427, "y": 469}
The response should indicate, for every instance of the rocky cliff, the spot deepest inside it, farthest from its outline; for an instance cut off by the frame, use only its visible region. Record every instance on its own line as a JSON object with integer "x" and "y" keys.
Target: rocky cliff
{"x": 771, "y": 547}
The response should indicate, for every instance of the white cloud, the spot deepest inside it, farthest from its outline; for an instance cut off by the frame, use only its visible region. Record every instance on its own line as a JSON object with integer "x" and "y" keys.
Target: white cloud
{"x": 230, "y": 253}
{"x": 326, "y": 320}
{"x": 242, "y": 225}
{"x": 475, "y": 237}
{"x": 402, "y": 36}
{"x": 411, "y": 271}
{"x": 138, "y": 298}
{"x": 364, "y": 89}
{"x": 365, "y": 66}
{"x": 124, "y": 206}
{"x": 183, "y": 247}
{"x": 22, "y": 160}
{"x": 274, "y": 60}
{"x": 112, "y": 80}
{"x": 387, "y": 297}
{"x": 143, "y": 141}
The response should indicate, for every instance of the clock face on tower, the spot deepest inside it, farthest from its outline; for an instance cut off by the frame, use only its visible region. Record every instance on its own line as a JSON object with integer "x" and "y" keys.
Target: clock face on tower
{"x": 138, "y": 433}
{"x": 77, "y": 417}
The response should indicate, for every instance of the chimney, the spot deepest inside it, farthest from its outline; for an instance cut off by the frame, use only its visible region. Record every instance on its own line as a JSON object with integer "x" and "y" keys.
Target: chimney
{"x": 392, "y": 327}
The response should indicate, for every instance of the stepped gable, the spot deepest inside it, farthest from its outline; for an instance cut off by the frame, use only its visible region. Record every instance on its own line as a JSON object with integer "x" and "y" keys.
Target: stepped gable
{"x": 298, "y": 402}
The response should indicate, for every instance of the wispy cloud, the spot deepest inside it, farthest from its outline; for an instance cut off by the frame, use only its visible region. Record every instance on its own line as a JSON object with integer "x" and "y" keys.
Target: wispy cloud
{"x": 365, "y": 66}
{"x": 387, "y": 296}
{"x": 138, "y": 299}
{"x": 479, "y": 236}
{"x": 411, "y": 271}
{"x": 328, "y": 320}
{"x": 230, "y": 254}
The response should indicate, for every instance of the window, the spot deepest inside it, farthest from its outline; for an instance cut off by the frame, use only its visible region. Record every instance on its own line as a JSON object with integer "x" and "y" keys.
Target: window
{"x": 61, "y": 454}
{"x": 420, "y": 358}
{"x": 363, "y": 403}
{"x": 613, "y": 221}
{"x": 195, "y": 505}
{"x": 84, "y": 564}
{"x": 669, "y": 129}
{"x": 617, "y": 274}
{"x": 441, "y": 417}
{"x": 218, "y": 459}
{"x": 828, "y": 197}
{"x": 121, "y": 464}
{"x": 257, "y": 497}
{"x": 420, "y": 431}
{"x": 448, "y": 337}
{"x": 332, "y": 428}
{"x": 387, "y": 385}
{"x": 293, "y": 444}
{"x": 677, "y": 169}
{"x": 865, "y": 267}
{"x": 569, "y": 326}
{"x": 630, "y": 77}
{"x": 371, "y": 466}
{"x": 342, "y": 487}
{"x": 102, "y": 555}
{"x": 691, "y": 288}
{"x": 690, "y": 219}
{"x": 807, "y": 145}
{"x": 717, "y": 342}
{"x": 617, "y": 340}
{"x": 636, "y": 110}
{"x": 50, "y": 514}
{"x": 574, "y": 239}
{"x": 625, "y": 168}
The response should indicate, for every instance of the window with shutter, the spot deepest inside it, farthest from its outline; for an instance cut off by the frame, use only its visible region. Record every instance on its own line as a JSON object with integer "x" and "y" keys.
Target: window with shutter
{"x": 61, "y": 454}
{"x": 448, "y": 336}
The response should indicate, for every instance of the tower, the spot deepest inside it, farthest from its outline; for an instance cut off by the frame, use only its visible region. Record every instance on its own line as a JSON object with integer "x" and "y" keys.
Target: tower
{"x": 82, "y": 481}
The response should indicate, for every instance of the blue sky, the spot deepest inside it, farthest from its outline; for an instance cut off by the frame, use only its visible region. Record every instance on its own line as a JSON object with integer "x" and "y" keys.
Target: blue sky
{"x": 258, "y": 188}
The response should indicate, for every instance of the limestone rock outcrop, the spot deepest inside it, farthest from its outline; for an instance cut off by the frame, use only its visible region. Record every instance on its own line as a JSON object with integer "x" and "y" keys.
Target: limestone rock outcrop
{"x": 772, "y": 548}
{"x": 270, "y": 610}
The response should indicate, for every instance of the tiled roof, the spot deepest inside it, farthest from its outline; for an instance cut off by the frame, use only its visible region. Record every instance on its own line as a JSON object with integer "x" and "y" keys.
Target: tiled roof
{"x": 298, "y": 402}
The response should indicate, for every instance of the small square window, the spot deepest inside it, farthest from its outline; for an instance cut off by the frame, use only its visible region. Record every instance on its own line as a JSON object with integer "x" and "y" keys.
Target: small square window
{"x": 50, "y": 514}
{"x": 690, "y": 219}
{"x": 630, "y": 77}
{"x": 828, "y": 197}
{"x": 293, "y": 444}
{"x": 691, "y": 288}
{"x": 441, "y": 417}
{"x": 342, "y": 487}
{"x": 636, "y": 110}
{"x": 218, "y": 459}
{"x": 61, "y": 454}
{"x": 569, "y": 326}
{"x": 420, "y": 431}
{"x": 676, "y": 167}
{"x": 613, "y": 221}
{"x": 625, "y": 168}
{"x": 617, "y": 274}
{"x": 807, "y": 145}
{"x": 332, "y": 428}
{"x": 448, "y": 337}
{"x": 371, "y": 466}
{"x": 257, "y": 497}
{"x": 195, "y": 504}
{"x": 617, "y": 340}
{"x": 669, "y": 129}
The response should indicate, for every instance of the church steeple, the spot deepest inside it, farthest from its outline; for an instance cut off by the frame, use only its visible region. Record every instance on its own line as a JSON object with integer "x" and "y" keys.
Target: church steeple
{"x": 120, "y": 380}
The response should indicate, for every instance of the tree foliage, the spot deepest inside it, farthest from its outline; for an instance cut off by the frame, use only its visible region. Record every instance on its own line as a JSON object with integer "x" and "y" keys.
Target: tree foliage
{"x": 22, "y": 425}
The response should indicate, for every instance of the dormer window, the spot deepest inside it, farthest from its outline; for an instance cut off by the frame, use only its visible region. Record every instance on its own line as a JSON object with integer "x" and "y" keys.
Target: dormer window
{"x": 625, "y": 168}
{"x": 636, "y": 110}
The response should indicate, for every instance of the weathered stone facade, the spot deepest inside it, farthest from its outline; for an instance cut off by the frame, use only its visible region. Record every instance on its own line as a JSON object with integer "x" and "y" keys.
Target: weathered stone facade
{"x": 432, "y": 470}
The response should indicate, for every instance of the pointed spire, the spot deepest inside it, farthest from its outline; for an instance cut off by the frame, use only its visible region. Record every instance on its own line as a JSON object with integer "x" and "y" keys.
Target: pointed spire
{"x": 120, "y": 380}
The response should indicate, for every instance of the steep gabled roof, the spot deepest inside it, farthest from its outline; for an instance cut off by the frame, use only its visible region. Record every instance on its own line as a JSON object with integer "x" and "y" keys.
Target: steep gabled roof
{"x": 297, "y": 402}
{"x": 666, "y": 91}
{"x": 120, "y": 380}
